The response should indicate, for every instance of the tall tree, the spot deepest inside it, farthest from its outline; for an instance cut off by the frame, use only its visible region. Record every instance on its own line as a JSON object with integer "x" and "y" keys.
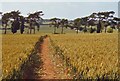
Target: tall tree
{"x": 22, "y": 20}
{"x": 16, "y": 23}
{"x": 64, "y": 23}
{"x": 77, "y": 23}
{"x": 55, "y": 23}
{"x": 102, "y": 16}
{"x": 5, "y": 19}
{"x": 118, "y": 23}
{"x": 34, "y": 19}
{"x": 84, "y": 21}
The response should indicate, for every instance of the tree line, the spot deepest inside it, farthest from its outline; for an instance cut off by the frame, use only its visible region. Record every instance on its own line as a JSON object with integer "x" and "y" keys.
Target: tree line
{"x": 100, "y": 21}
{"x": 18, "y": 21}
{"x": 96, "y": 22}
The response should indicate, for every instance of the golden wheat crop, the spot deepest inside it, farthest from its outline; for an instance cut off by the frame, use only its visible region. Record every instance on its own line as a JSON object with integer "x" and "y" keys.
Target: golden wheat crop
{"x": 15, "y": 50}
{"x": 94, "y": 55}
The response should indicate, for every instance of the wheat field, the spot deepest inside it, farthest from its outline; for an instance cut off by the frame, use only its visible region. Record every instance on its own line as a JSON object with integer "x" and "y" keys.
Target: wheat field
{"x": 91, "y": 55}
{"x": 15, "y": 50}
{"x": 88, "y": 55}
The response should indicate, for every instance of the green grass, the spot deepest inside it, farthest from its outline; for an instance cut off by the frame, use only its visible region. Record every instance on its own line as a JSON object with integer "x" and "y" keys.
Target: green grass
{"x": 47, "y": 29}
{"x": 44, "y": 29}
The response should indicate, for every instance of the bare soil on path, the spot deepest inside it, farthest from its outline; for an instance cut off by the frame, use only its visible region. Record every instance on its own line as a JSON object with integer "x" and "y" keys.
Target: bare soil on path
{"x": 50, "y": 67}
{"x": 48, "y": 70}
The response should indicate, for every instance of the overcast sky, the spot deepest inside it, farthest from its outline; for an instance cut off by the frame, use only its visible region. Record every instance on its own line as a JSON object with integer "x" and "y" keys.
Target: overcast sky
{"x": 59, "y": 0}
{"x": 70, "y": 10}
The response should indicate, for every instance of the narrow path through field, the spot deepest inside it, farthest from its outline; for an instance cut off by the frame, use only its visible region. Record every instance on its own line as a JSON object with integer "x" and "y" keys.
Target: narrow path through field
{"x": 49, "y": 69}
{"x": 46, "y": 65}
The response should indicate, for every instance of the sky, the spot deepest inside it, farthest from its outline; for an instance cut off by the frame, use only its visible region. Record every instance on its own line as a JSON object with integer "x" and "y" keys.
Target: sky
{"x": 59, "y": 0}
{"x": 69, "y": 10}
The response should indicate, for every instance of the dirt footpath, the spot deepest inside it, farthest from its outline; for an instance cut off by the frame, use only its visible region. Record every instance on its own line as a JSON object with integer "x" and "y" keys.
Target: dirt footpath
{"x": 48, "y": 70}
{"x": 45, "y": 65}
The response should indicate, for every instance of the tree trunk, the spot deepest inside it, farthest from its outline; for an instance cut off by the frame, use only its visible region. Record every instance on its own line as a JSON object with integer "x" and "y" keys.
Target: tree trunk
{"x": 38, "y": 26}
{"x": 99, "y": 27}
{"x": 5, "y": 29}
{"x": 85, "y": 29}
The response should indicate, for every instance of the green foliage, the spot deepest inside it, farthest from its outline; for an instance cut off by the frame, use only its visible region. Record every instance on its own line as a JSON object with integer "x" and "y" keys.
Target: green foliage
{"x": 85, "y": 30}
{"x": 92, "y": 30}
{"x": 109, "y": 30}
